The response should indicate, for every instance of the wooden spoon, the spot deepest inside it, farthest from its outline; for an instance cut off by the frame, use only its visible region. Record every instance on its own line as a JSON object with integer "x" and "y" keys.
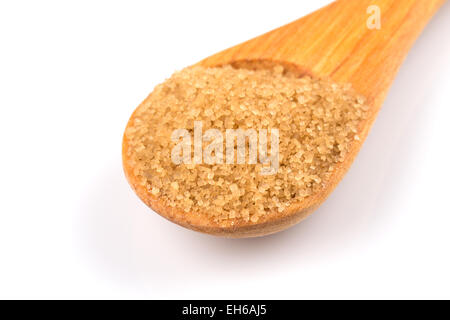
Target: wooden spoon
{"x": 335, "y": 42}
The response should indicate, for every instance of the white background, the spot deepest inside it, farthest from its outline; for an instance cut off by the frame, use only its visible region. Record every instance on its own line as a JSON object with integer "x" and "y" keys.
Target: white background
{"x": 71, "y": 73}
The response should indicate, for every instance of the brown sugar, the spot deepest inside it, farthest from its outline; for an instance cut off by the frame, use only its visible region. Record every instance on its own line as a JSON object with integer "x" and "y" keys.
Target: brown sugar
{"x": 317, "y": 121}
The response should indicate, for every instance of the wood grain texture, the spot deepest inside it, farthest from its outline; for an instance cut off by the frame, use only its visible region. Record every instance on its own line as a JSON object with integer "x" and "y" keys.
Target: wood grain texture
{"x": 332, "y": 42}
{"x": 335, "y": 42}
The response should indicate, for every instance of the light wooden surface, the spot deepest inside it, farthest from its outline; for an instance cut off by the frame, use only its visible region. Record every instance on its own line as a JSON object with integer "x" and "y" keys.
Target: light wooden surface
{"x": 332, "y": 42}
{"x": 336, "y": 42}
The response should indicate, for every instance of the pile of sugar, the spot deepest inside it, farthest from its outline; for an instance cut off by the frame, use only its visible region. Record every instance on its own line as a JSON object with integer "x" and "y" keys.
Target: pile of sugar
{"x": 317, "y": 122}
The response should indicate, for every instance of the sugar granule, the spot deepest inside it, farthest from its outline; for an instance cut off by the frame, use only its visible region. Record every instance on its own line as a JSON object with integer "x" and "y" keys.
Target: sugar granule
{"x": 316, "y": 118}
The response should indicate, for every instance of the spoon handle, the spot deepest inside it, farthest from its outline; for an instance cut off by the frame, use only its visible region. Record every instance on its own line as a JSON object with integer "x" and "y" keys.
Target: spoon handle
{"x": 362, "y": 42}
